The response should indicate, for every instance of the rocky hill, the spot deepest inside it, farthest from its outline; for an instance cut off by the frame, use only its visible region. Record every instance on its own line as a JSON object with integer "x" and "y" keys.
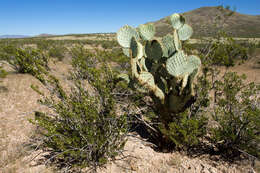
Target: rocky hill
{"x": 203, "y": 23}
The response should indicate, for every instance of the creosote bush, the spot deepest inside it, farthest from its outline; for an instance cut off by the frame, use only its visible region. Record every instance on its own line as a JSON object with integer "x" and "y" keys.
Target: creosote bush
{"x": 223, "y": 50}
{"x": 26, "y": 60}
{"x": 233, "y": 111}
{"x": 57, "y": 51}
{"x": 236, "y": 113}
{"x": 3, "y": 73}
{"x": 84, "y": 130}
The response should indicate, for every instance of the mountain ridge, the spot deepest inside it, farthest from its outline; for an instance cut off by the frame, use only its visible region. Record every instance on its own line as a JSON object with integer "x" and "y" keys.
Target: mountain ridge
{"x": 202, "y": 21}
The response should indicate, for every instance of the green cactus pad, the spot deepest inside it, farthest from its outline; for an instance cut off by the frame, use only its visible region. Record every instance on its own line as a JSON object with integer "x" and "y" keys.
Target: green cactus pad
{"x": 185, "y": 32}
{"x": 134, "y": 47}
{"x": 147, "y": 31}
{"x": 137, "y": 49}
{"x": 177, "y": 20}
{"x": 179, "y": 64}
{"x": 168, "y": 42}
{"x": 176, "y": 65}
{"x": 155, "y": 49}
{"x": 194, "y": 62}
{"x": 125, "y": 34}
{"x": 126, "y": 51}
{"x": 148, "y": 64}
{"x": 146, "y": 78}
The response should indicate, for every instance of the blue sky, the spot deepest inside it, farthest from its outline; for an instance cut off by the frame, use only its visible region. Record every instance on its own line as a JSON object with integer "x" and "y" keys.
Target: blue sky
{"x": 33, "y": 17}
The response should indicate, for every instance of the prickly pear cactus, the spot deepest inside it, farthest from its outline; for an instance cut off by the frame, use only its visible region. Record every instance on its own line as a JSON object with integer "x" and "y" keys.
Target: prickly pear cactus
{"x": 160, "y": 65}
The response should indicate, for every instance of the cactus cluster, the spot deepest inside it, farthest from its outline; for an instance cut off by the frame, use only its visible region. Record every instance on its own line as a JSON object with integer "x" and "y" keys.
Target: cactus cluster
{"x": 159, "y": 64}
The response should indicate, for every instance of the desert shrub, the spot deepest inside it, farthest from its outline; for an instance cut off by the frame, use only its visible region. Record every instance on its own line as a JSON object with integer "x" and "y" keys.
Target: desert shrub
{"x": 84, "y": 130}
{"x": 107, "y": 44}
{"x": 224, "y": 50}
{"x": 43, "y": 44}
{"x": 185, "y": 131}
{"x": 236, "y": 114}
{"x": 57, "y": 51}
{"x": 3, "y": 73}
{"x": 82, "y": 60}
{"x": 27, "y": 60}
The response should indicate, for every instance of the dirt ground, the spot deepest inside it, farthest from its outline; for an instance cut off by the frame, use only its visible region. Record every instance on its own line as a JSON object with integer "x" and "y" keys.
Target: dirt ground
{"x": 18, "y": 101}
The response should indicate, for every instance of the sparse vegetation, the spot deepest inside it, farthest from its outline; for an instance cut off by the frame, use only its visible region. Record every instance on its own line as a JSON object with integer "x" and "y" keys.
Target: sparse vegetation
{"x": 3, "y": 73}
{"x": 85, "y": 130}
{"x": 26, "y": 60}
{"x": 57, "y": 51}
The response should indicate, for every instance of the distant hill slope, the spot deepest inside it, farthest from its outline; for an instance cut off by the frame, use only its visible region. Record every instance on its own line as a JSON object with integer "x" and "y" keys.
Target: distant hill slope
{"x": 201, "y": 20}
{"x": 44, "y": 35}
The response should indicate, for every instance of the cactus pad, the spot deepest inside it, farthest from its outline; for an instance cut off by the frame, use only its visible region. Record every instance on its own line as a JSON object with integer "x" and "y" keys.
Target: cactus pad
{"x": 194, "y": 62}
{"x": 179, "y": 64}
{"x": 147, "y": 31}
{"x": 185, "y": 32}
{"x": 137, "y": 49}
{"x": 168, "y": 42}
{"x": 177, "y": 20}
{"x": 126, "y": 51}
{"x": 125, "y": 34}
{"x": 153, "y": 50}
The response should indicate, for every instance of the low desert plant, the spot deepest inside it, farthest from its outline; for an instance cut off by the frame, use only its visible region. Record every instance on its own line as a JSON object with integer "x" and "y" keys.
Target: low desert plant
{"x": 85, "y": 130}
{"x": 57, "y": 51}
{"x": 27, "y": 60}
{"x": 236, "y": 113}
{"x": 3, "y": 73}
{"x": 223, "y": 50}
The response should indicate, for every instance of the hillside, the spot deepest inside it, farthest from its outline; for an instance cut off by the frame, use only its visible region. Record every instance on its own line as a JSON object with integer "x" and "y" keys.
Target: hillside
{"x": 201, "y": 20}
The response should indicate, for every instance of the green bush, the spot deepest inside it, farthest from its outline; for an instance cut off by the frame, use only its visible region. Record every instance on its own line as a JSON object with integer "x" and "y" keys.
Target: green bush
{"x": 85, "y": 130}
{"x": 58, "y": 51}
{"x": 224, "y": 50}
{"x": 3, "y": 73}
{"x": 107, "y": 44}
{"x": 185, "y": 131}
{"x": 82, "y": 60}
{"x": 237, "y": 115}
{"x": 43, "y": 45}
{"x": 235, "y": 120}
{"x": 27, "y": 60}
